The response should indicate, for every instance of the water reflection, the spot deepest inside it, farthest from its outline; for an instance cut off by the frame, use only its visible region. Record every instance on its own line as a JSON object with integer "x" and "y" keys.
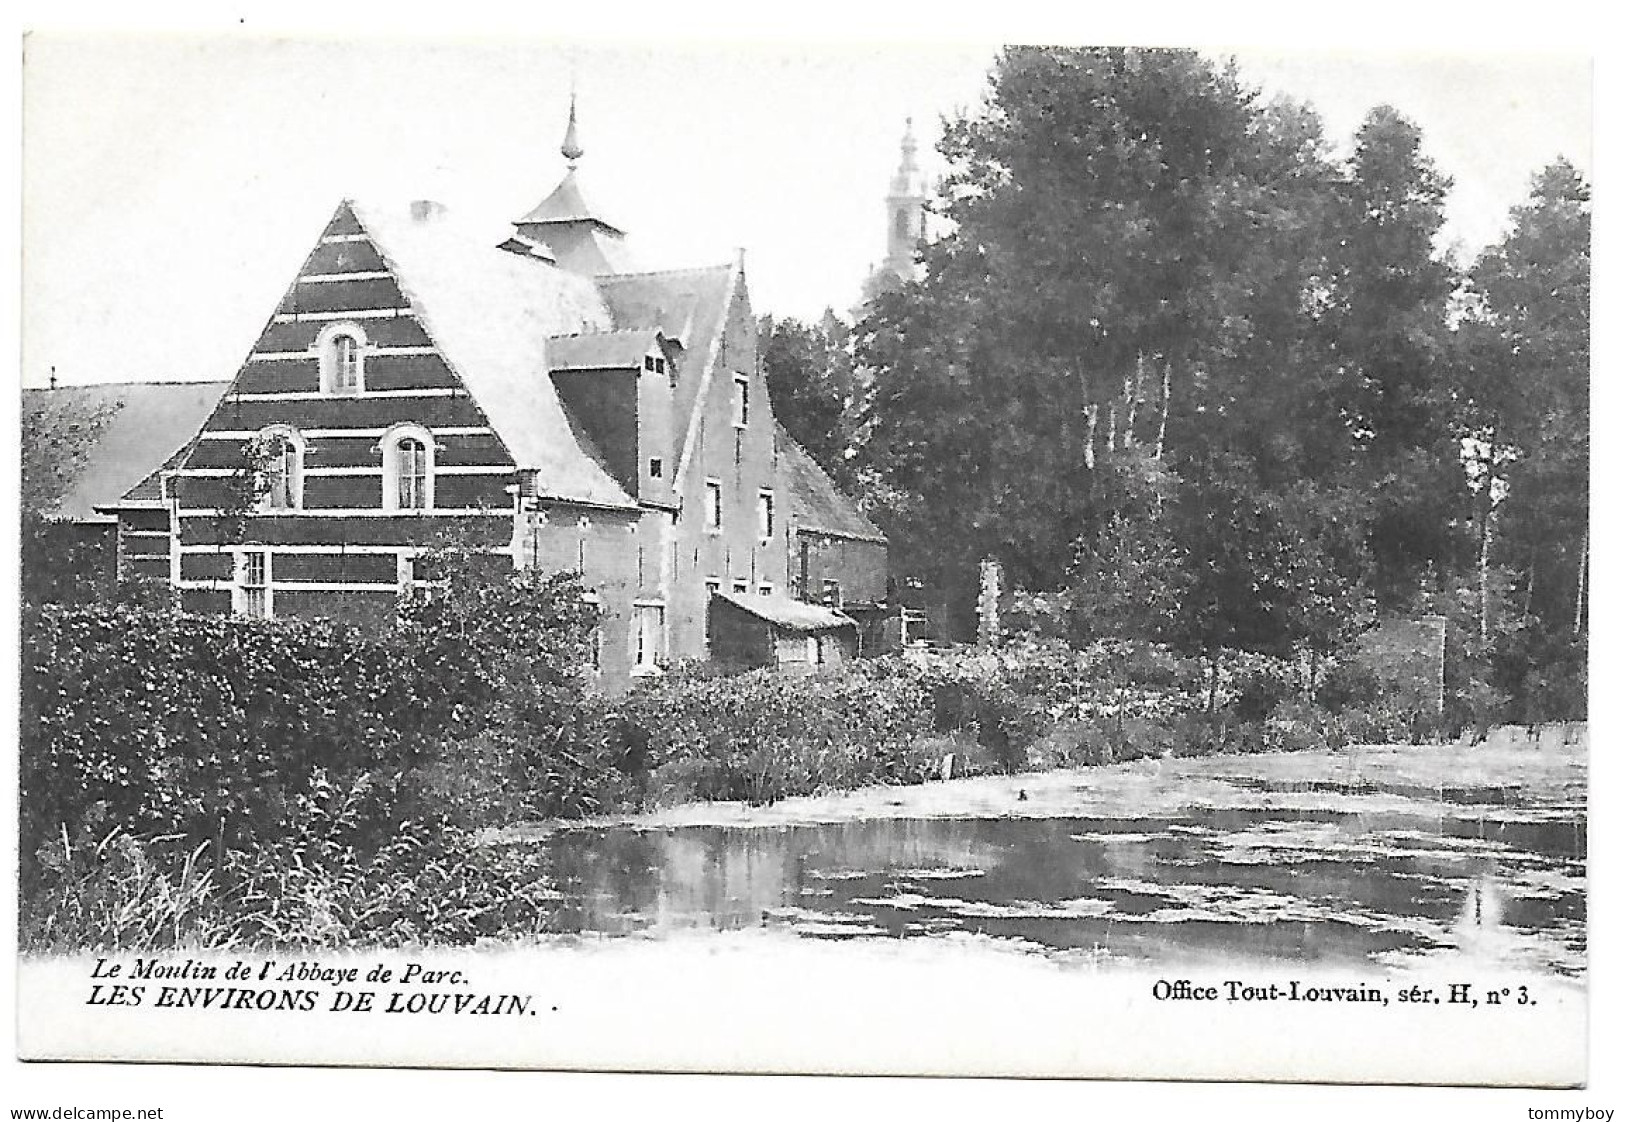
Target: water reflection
{"x": 1469, "y": 870}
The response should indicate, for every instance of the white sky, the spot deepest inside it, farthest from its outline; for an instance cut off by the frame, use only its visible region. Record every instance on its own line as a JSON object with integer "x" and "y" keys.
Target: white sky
{"x": 172, "y": 185}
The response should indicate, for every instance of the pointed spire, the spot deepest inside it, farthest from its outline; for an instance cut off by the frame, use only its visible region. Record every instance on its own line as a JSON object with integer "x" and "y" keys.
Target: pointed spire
{"x": 906, "y": 183}
{"x": 571, "y": 148}
{"x": 565, "y": 226}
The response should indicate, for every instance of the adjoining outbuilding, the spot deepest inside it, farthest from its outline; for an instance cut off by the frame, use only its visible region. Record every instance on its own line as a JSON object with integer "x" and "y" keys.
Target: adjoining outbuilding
{"x": 772, "y": 630}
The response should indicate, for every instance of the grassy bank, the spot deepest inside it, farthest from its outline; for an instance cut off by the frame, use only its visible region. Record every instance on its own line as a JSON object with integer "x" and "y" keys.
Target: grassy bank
{"x": 1549, "y": 764}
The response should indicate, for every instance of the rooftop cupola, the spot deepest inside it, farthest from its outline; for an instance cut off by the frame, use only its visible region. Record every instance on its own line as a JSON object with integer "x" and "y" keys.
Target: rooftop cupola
{"x": 571, "y": 229}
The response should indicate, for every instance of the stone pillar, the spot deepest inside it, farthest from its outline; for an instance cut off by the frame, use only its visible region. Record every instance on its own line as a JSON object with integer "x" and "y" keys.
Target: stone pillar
{"x": 987, "y": 603}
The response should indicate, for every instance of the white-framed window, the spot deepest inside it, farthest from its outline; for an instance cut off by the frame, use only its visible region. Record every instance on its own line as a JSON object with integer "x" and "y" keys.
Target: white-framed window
{"x": 712, "y": 585}
{"x": 408, "y": 452}
{"x": 341, "y": 349}
{"x": 741, "y": 586}
{"x": 654, "y": 364}
{"x": 764, "y": 514}
{"x": 713, "y": 505}
{"x": 741, "y": 401}
{"x": 648, "y": 637}
{"x": 252, "y": 588}
{"x": 281, "y": 479}
{"x": 764, "y": 589}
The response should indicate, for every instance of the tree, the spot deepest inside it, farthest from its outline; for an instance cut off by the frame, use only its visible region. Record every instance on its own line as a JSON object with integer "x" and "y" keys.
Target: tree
{"x": 813, "y": 387}
{"x": 1387, "y": 326}
{"x": 1137, "y": 250}
{"x": 61, "y": 562}
{"x": 1268, "y": 571}
{"x": 1524, "y": 382}
{"x": 1127, "y": 578}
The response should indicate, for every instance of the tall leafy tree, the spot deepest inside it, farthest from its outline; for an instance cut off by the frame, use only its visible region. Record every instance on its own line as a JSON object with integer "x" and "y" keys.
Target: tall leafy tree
{"x": 1139, "y": 248}
{"x": 1524, "y": 384}
{"x": 1387, "y": 326}
{"x": 815, "y": 392}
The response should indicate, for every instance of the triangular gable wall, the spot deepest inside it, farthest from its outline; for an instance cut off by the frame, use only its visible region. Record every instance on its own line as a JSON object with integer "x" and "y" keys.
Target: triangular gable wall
{"x": 407, "y": 380}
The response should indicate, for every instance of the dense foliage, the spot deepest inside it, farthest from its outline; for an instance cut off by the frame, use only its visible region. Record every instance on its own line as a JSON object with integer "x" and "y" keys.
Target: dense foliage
{"x": 815, "y": 389}
{"x": 1182, "y": 369}
{"x": 287, "y": 781}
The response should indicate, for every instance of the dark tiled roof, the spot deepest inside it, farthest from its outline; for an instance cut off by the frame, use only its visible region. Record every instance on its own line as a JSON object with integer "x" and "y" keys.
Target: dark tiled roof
{"x": 815, "y": 502}
{"x": 787, "y": 614}
{"x": 604, "y": 350}
{"x": 114, "y": 438}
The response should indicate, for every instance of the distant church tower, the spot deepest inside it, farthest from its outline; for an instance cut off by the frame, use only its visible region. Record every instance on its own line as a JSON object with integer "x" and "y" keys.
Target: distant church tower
{"x": 905, "y": 222}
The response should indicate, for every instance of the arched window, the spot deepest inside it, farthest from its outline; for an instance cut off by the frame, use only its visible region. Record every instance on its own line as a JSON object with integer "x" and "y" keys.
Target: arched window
{"x": 411, "y": 474}
{"x": 281, "y": 468}
{"x": 342, "y": 349}
{"x": 347, "y": 354}
{"x": 408, "y": 452}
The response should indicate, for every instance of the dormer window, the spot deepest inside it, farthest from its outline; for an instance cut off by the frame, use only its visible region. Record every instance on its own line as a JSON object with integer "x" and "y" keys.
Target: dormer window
{"x": 408, "y": 452}
{"x": 342, "y": 350}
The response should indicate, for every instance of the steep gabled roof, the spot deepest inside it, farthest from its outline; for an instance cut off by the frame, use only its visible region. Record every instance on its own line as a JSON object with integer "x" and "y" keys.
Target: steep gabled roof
{"x": 689, "y": 306}
{"x": 116, "y": 437}
{"x": 604, "y": 350}
{"x": 815, "y": 503}
{"x": 491, "y": 314}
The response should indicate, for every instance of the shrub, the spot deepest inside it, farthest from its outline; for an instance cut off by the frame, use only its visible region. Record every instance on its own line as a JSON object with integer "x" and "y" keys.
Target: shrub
{"x": 764, "y": 735}
{"x": 298, "y": 782}
{"x": 362, "y": 864}
{"x": 116, "y": 891}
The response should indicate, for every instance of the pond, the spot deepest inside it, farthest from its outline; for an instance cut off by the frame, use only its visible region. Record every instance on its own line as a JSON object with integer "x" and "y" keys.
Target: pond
{"x": 1388, "y": 855}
